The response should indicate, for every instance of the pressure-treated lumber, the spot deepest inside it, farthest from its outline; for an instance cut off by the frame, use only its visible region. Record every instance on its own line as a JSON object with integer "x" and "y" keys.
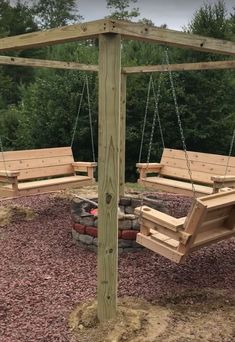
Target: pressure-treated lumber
{"x": 108, "y": 170}
{"x": 55, "y": 36}
{"x": 24, "y": 172}
{"x": 207, "y": 172}
{"x": 211, "y": 219}
{"x": 173, "y": 38}
{"x": 179, "y": 67}
{"x": 126, "y": 29}
{"x": 122, "y": 136}
{"x": 36, "y": 63}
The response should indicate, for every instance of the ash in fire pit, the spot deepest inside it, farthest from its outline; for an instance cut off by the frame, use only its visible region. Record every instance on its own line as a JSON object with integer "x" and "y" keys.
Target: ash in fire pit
{"x": 85, "y": 221}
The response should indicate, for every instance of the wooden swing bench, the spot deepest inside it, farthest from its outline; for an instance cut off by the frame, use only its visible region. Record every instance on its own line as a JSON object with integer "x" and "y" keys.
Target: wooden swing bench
{"x": 211, "y": 219}
{"x": 36, "y": 171}
{"x": 207, "y": 172}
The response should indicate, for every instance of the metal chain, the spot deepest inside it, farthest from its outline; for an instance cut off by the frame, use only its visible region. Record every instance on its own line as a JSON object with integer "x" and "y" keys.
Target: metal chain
{"x": 3, "y": 158}
{"x": 90, "y": 119}
{"x": 78, "y": 113}
{"x": 155, "y": 116}
{"x": 145, "y": 118}
{"x": 157, "y": 99}
{"x": 180, "y": 123}
{"x": 229, "y": 155}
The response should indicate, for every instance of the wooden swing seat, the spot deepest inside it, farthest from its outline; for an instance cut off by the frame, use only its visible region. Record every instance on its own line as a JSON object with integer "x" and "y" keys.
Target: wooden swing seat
{"x": 37, "y": 171}
{"x": 211, "y": 219}
{"x": 207, "y": 172}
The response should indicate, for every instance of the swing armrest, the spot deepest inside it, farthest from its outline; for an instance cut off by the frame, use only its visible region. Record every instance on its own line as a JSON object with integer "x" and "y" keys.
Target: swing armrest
{"x": 87, "y": 167}
{"x": 145, "y": 168}
{"x": 7, "y": 176}
{"x": 223, "y": 181}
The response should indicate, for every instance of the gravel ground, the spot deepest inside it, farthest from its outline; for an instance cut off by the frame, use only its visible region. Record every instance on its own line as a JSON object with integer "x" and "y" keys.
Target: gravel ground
{"x": 43, "y": 274}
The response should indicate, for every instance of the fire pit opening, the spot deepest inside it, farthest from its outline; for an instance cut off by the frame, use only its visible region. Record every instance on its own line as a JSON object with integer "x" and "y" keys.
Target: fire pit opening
{"x": 85, "y": 218}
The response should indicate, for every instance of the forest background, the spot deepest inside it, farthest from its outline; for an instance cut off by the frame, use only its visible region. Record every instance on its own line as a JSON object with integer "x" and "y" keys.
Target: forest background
{"x": 39, "y": 107}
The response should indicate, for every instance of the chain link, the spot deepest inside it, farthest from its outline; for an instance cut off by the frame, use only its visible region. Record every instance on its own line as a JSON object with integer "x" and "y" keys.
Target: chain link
{"x": 3, "y": 158}
{"x": 155, "y": 116}
{"x": 180, "y": 123}
{"x": 78, "y": 113}
{"x": 157, "y": 99}
{"x": 90, "y": 119}
{"x": 229, "y": 155}
{"x": 145, "y": 118}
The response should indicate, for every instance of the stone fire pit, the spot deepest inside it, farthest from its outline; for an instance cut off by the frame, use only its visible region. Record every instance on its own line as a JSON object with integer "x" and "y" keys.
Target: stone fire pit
{"x": 85, "y": 230}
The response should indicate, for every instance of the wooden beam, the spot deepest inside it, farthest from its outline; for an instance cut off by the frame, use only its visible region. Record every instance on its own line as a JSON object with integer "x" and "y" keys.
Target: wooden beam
{"x": 108, "y": 169}
{"x": 40, "y": 63}
{"x": 179, "y": 67}
{"x": 55, "y": 36}
{"x": 126, "y": 29}
{"x": 173, "y": 38}
{"x": 122, "y": 136}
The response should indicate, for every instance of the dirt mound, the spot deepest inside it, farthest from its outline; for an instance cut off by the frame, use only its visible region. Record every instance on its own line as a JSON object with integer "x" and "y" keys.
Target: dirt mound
{"x": 137, "y": 321}
{"x": 201, "y": 316}
{"x": 15, "y": 212}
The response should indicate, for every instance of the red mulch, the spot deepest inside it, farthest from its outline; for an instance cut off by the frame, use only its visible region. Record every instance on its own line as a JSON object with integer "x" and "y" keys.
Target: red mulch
{"x": 43, "y": 275}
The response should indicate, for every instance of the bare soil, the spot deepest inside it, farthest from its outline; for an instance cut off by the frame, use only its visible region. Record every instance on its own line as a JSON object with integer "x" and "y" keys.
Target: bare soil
{"x": 48, "y": 285}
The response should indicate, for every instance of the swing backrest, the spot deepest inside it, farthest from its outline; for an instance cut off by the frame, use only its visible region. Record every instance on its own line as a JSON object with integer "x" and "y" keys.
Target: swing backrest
{"x": 211, "y": 219}
{"x": 38, "y": 163}
{"x": 202, "y": 165}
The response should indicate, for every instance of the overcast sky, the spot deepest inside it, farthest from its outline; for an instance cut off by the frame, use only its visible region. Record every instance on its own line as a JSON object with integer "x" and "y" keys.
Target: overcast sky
{"x": 174, "y": 13}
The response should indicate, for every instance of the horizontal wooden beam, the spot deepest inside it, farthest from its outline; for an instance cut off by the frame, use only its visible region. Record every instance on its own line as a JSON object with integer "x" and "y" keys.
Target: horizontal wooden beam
{"x": 179, "y": 67}
{"x": 125, "y": 29}
{"x": 29, "y": 62}
{"x": 55, "y": 36}
{"x": 173, "y": 38}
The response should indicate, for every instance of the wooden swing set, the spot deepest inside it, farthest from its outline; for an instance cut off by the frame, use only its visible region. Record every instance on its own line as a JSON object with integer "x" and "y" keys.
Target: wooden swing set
{"x": 30, "y": 172}
{"x": 111, "y": 154}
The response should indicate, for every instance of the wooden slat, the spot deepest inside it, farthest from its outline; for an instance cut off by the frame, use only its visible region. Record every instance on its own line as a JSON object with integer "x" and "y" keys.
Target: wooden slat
{"x": 35, "y": 63}
{"x": 159, "y": 248}
{"x": 57, "y": 170}
{"x": 36, "y": 153}
{"x": 165, "y": 240}
{"x": 212, "y": 224}
{"x": 216, "y": 201}
{"x": 37, "y": 187}
{"x": 214, "y": 235}
{"x": 221, "y": 212}
{"x": 173, "y": 38}
{"x": 55, "y": 36}
{"x": 197, "y": 176}
{"x": 35, "y": 163}
{"x": 198, "y": 156}
{"x": 47, "y": 182}
{"x": 174, "y": 184}
{"x": 179, "y": 67}
{"x": 160, "y": 218}
{"x": 151, "y": 226}
{"x": 198, "y": 166}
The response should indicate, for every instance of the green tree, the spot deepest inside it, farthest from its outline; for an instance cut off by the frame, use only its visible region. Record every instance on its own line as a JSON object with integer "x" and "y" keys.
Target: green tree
{"x": 55, "y": 13}
{"x": 122, "y": 9}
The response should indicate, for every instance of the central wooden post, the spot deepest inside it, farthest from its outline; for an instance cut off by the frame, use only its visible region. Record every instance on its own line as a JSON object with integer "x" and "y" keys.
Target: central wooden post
{"x": 108, "y": 172}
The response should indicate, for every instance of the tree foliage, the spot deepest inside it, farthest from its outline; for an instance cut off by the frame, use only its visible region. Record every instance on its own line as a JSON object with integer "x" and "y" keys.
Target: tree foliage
{"x": 122, "y": 9}
{"x": 39, "y": 109}
{"x": 55, "y": 13}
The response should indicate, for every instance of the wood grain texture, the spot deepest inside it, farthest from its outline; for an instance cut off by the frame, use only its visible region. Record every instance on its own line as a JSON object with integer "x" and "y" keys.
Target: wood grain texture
{"x": 108, "y": 170}
{"x": 40, "y": 63}
{"x": 179, "y": 67}
{"x": 173, "y": 38}
{"x": 122, "y": 136}
{"x": 55, "y": 36}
